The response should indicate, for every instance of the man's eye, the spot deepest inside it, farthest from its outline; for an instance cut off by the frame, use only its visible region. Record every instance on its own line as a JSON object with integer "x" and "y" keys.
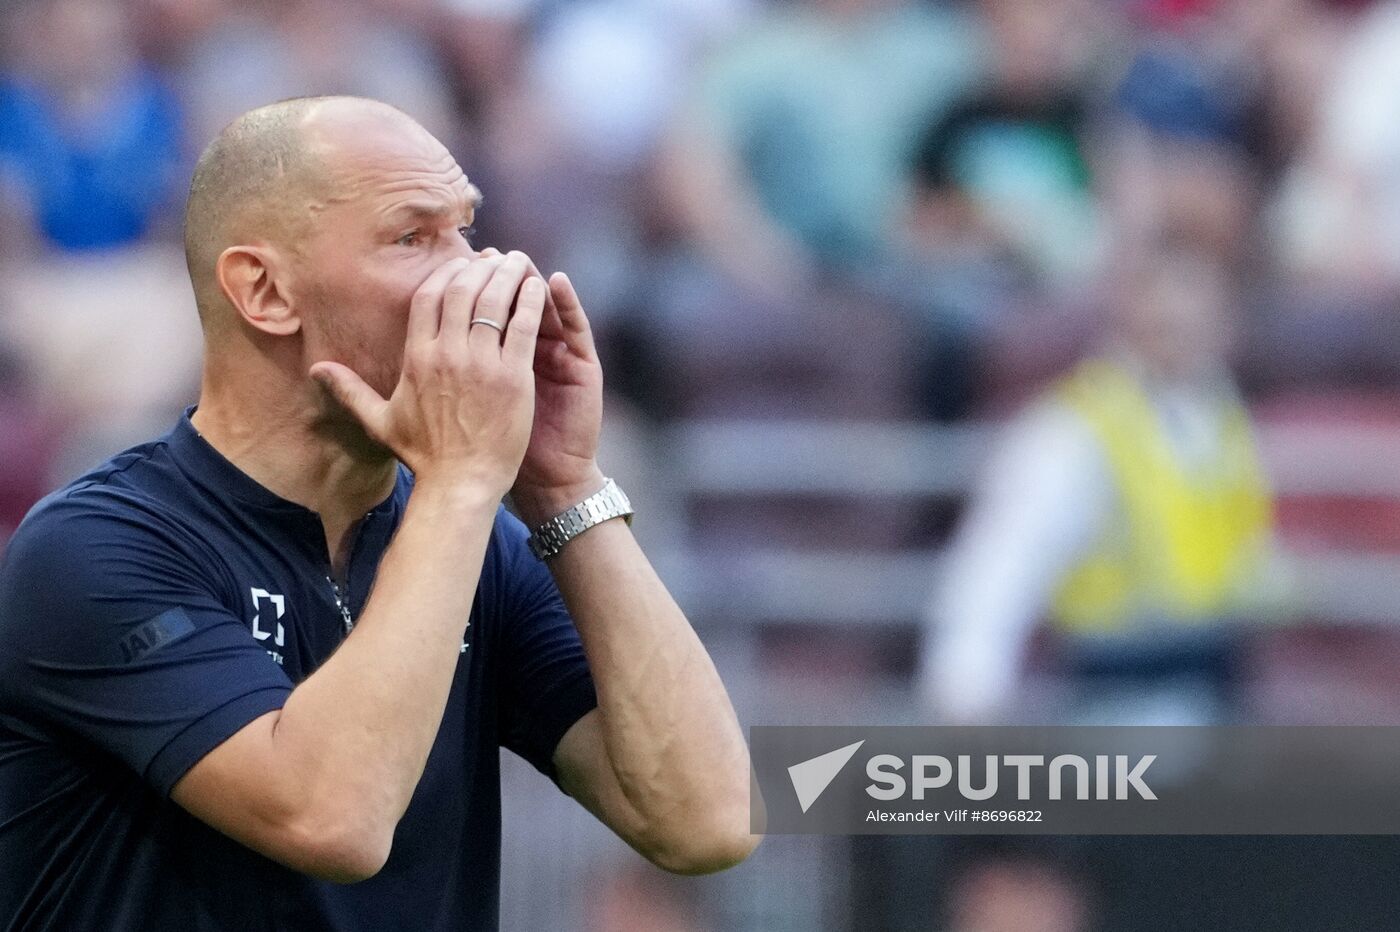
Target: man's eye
{"x": 467, "y": 231}
{"x": 408, "y": 239}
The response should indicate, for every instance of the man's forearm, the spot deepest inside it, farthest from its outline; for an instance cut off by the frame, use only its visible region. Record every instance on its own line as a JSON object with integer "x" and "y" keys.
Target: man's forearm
{"x": 671, "y": 737}
{"x": 357, "y": 732}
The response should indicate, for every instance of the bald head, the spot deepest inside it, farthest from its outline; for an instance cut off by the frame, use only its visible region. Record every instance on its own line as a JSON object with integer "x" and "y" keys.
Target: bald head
{"x": 262, "y": 178}
{"x": 311, "y": 225}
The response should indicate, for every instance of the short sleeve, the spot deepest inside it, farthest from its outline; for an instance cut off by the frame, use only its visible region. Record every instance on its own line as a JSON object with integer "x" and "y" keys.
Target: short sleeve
{"x": 111, "y": 633}
{"x": 544, "y": 678}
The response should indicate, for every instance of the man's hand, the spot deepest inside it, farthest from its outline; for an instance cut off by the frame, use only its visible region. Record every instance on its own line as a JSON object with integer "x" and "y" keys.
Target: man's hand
{"x": 560, "y": 467}
{"x": 463, "y": 406}
{"x": 662, "y": 759}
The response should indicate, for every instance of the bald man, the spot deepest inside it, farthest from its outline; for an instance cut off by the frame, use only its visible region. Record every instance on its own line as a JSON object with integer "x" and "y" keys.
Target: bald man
{"x": 255, "y": 674}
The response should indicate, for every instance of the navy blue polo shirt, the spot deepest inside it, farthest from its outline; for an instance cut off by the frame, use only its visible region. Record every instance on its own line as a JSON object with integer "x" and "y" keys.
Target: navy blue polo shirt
{"x": 160, "y": 603}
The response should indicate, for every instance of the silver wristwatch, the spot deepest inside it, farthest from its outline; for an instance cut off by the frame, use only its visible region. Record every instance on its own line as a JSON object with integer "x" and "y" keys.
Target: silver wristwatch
{"x": 607, "y": 503}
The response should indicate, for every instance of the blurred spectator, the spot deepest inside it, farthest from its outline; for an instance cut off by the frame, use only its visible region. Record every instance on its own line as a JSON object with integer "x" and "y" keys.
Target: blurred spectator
{"x": 167, "y": 29}
{"x": 1001, "y": 210}
{"x": 96, "y": 309}
{"x": 793, "y": 154}
{"x": 1332, "y": 222}
{"x": 1006, "y": 173}
{"x": 508, "y": 142}
{"x": 260, "y": 51}
{"x": 610, "y": 72}
{"x": 1182, "y": 133}
{"x": 111, "y": 342}
{"x": 90, "y": 139}
{"x": 1128, "y": 506}
{"x": 1337, "y": 217}
{"x": 601, "y": 80}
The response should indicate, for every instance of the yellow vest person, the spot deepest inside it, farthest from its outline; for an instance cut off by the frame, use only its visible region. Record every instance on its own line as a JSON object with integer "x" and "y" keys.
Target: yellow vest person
{"x": 1187, "y": 540}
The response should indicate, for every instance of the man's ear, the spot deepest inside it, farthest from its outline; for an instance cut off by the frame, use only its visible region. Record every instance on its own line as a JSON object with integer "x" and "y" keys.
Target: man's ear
{"x": 248, "y": 277}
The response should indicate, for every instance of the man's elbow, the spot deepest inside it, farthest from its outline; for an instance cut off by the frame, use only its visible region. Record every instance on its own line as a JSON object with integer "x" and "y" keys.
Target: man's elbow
{"x": 338, "y": 851}
{"x": 704, "y": 852}
{"x": 352, "y": 862}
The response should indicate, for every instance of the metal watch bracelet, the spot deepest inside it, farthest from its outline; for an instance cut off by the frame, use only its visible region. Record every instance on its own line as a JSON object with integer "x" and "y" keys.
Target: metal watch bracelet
{"x": 607, "y": 503}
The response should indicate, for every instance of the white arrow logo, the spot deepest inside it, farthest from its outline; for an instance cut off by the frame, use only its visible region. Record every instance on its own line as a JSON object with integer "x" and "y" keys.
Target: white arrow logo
{"x": 811, "y": 777}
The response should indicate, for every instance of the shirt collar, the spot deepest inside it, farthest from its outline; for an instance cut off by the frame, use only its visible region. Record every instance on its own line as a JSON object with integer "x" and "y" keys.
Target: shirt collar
{"x": 212, "y": 469}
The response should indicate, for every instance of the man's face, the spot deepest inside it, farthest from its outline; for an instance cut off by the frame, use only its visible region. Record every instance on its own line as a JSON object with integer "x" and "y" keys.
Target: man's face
{"x": 398, "y": 207}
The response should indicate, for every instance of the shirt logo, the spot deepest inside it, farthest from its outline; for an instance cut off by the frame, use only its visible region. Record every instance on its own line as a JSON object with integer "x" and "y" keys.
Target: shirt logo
{"x": 268, "y": 609}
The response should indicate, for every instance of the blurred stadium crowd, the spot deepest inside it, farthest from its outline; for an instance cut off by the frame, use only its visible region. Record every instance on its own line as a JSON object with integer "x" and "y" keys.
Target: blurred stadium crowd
{"x": 925, "y": 322}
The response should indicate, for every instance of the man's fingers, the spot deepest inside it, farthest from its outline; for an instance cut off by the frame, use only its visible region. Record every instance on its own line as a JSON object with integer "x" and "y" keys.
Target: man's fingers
{"x": 460, "y": 297}
{"x": 495, "y": 300}
{"x": 525, "y": 325}
{"x": 533, "y": 270}
{"x": 548, "y": 298}
{"x": 426, "y": 307}
{"x": 347, "y": 388}
{"x": 577, "y": 332}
